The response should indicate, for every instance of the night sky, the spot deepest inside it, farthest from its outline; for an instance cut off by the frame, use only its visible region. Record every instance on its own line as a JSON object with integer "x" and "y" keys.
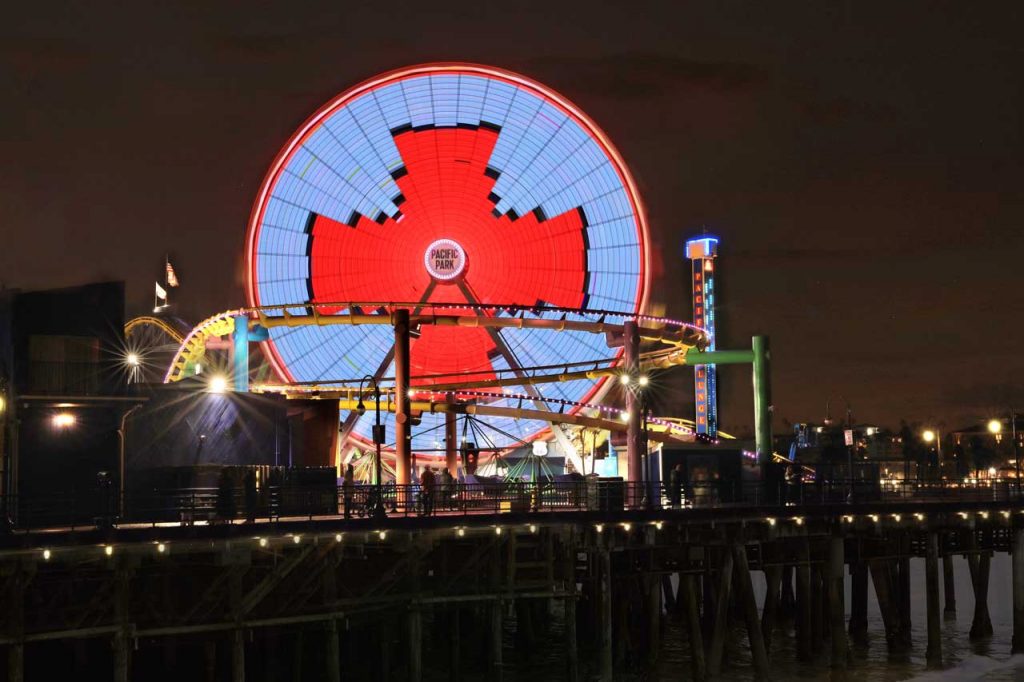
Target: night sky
{"x": 862, "y": 163}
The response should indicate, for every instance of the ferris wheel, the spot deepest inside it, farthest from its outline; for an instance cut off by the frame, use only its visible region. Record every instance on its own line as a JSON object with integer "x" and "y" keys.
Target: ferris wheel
{"x": 448, "y": 185}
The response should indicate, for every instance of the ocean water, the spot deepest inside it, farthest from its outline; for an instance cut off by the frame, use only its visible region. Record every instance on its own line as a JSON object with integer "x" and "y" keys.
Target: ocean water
{"x": 989, "y": 660}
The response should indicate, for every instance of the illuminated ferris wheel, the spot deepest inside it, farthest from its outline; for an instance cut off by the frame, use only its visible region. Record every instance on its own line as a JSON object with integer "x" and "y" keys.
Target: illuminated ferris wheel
{"x": 447, "y": 184}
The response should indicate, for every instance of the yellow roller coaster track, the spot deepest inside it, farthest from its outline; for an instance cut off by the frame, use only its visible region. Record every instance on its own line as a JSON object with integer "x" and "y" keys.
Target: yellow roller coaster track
{"x": 147, "y": 320}
{"x": 678, "y": 336}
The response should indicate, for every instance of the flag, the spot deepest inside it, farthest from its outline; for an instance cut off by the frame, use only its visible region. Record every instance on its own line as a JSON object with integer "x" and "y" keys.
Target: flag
{"x": 161, "y": 293}
{"x": 172, "y": 279}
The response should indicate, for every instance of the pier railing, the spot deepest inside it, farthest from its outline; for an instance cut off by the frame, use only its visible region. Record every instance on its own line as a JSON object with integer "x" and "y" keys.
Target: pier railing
{"x": 190, "y": 506}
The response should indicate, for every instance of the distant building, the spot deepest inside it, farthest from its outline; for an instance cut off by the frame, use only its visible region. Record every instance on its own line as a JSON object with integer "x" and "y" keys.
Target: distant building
{"x": 64, "y": 391}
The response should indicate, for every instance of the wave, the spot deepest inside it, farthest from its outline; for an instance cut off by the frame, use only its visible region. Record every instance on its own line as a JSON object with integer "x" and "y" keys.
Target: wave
{"x": 975, "y": 668}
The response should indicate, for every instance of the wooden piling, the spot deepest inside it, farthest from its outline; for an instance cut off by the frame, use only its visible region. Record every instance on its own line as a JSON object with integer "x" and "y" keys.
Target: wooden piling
{"x": 787, "y": 599}
{"x": 572, "y": 659}
{"x": 332, "y": 648}
{"x": 688, "y": 595}
{"x": 818, "y": 610}
{"x": 882, "y": 579}
{"x": 238, "y": 634}
{"x": 748, "y": 604}
{"x": 16, "y": 621}
{"x": 949, "y": 585}
{"x": 604, "y": 630}
{"x": 332, "y": 652}
{"x": 496, "y": 639}
{"x": 668, "y": 596}
{"x": 836, "y": 601}
{"x": 903, "y": 588}
{"x": 721, "y": 621}
{"x": 931, "y": 567}
{"x": 769, "y": 612}
{"x": 1017, "y": 568}
{"x": 454, "y": 637}
{"x": 653, "y": 618}
{"x": 414, "y": 632}
{"x": 122, "y": 649}
{"x": 979, "y": 563}
{"x": 803, "y": 604}
{"x": 859, "y": 602}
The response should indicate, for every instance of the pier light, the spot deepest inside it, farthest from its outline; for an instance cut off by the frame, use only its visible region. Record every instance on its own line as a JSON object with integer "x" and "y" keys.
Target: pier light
{"x": 161, "y": 547}
{"x": 108, "y": 550}
{"x": 963, "y": 515}
{"x": 994, "y": 426}
{"x": 599, "y": 527}
{"x": 1005, "y": 514}
{"x": 218, "y": 384}
{"x": 262, "y": 542}
{"x": 658, "y": 525}
{"x": 461, "y": 532}
{"x": 383, "y": 535}
{"x": 627, "y": 527}
{"x": 533, "y": 528}
{"x": 983, "y": 514}
{"x": 497, "y": 530}
{"x": 928, "y": 436}
{"x": 770, "y": 520}
{"x": 338, "y": 537}
{"x": 896, "y": 518}
{"x": 873, "y": 517}
{"x": 919, "y": 516}
{"x": 848, "y": 518}
{"x": 296, "y": 539}
{"x": 63, "y": 420}
{"x": 46, "y": 555}
{"x": 798, "y": 520}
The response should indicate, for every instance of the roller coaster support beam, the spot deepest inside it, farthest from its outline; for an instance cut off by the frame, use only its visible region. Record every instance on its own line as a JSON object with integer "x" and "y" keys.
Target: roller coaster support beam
{"x": 631, "y": 353}
{"x": 762, "y": 399}
{"x": 403, "y": 421}
{"x": 241, "y": 352}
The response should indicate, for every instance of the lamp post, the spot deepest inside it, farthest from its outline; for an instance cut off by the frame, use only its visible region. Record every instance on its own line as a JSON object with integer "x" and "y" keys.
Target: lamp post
{"x": 1016, "y": 455}
{"x": 378, "y": 439}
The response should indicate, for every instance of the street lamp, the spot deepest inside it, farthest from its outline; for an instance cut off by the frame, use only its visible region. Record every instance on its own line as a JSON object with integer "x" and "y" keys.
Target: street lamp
{"x": 378, "y": 440}
{"x": 933, "y": 436}
{"x": 995, "y": 426}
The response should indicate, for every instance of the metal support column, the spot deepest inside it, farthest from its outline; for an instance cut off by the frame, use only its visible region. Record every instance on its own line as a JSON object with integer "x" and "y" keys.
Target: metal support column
{"x": 762, "y": 399}
{"x": 241, "y": 353}
{"x": 451, "y": 444}
{"x": 631, "y": 357}
{"x": 403, "y": 426}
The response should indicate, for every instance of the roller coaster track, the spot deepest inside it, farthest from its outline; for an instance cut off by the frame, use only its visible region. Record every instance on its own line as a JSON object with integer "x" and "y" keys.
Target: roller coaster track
{"x": 137, "y": 323}
{"x": 676, "y": 338}
{"x": 675, "y": 334}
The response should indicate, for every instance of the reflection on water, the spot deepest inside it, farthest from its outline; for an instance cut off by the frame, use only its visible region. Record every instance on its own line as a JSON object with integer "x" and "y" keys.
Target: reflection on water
{"x": 989, "y": 661}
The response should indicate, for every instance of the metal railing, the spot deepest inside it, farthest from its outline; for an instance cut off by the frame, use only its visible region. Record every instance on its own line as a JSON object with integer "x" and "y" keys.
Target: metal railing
{"x": 235, "y": 504}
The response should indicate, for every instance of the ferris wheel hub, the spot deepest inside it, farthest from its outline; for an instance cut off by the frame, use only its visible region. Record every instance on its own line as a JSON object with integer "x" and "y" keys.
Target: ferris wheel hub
{"x": 445, "y": 260}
